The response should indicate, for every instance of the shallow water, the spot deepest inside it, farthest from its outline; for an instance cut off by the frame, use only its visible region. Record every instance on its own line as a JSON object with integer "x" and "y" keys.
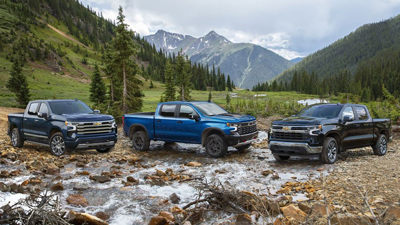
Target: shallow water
{"x": 139, "y": 203}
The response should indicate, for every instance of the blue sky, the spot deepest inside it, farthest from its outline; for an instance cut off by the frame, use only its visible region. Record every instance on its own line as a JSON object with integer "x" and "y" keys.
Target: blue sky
{"x": 291, "y": 28}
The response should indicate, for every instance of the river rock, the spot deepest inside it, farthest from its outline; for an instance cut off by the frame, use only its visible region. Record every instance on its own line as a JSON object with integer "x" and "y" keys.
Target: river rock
{"x": 305, "y": 206}
{"x": 102, "y": 215}
{"x": 267, "y": 172}
{"x": 84, "y": 218}
{"x": 158, "y": 220}
{"x": 83, "y": 173}
{"x": 4, "y": 174}
{"x": 101, "y": 179}
{"x": 243, "y": 219}
{"x": 4, "y": 187}
{"x": 294, "y": 212}
{"x": 174, "y": 198}
{"x": 81, "y": 187}
{"x": 52, "y": 169}
{"x": 57, "y": 187}
{"x": 193, "y": 164}
{"x": 77, "y": 200}
{"x": 80, "y": 164}
{"x": 167, "y": 215}
{"x": 160, "y": 173}
{"x": 320, "y": 210}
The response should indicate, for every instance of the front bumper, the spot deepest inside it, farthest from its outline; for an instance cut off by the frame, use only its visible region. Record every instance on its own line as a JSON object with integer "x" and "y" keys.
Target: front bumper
{"x": 293, "y": 148}
{"x": 237, "y": 140}
{"x": 92, "y": 142}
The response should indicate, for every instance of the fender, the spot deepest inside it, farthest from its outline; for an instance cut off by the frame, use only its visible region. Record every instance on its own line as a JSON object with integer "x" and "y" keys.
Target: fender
{"x": 135, "y": 127}
{"x": 208, "y": 131}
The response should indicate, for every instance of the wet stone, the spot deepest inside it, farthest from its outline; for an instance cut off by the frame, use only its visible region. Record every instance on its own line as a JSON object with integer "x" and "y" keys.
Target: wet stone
{"x": 167, "y": 215}
{"x": 81, "y": 187}
{"x": 158, "y": 220}
{"x": 174, "y": 198}
{"x": 101, "y": 179}
{"x": 80, "y": 164}
{"x": 243, "y": 219}
{"x": 77, "y": 200}
{"x": 57, "y": 187}
{"x": 267, "y": 172}
{"x": 102, "y": 215}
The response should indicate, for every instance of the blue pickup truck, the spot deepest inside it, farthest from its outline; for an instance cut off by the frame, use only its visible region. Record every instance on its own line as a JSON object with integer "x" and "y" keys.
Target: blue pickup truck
{"x": 203, "y": 123}
{"x": 62, "y": 125}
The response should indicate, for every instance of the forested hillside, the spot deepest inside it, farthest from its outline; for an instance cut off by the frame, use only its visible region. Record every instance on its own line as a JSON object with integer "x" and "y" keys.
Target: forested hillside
{"x": 360, "y": 64}
{"x": 59, "y": 42}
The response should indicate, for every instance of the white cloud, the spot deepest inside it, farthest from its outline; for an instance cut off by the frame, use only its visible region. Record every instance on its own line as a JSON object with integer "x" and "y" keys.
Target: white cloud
{"x": 290, "y": 28}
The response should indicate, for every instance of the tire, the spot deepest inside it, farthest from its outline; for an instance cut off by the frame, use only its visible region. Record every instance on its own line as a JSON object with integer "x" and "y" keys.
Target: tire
{"x": 57, "y": 144}
{"x": 243, "y": 148}
{"x": 330, "y": 151}
{"x": 380, "y": 148}
{"x": 103, "y": 150}
{"x": 16, "y": 139}
{"x": 281, "y": 158}
{"x": 216, "y": 146}
{"x": 140, "y": 141}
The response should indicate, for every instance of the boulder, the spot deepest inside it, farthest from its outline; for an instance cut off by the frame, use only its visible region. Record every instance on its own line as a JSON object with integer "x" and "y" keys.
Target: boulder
{"x": 167, "y": 215}
{"x": 294, "y": 212}
{"x": 77, "y": 200}
{"x": 84, "y": 218}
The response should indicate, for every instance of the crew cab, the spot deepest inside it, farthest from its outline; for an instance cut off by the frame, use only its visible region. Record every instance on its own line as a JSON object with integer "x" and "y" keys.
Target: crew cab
{"x": 203, "y": 123}
{"x": 62, "y": 125}
{"x": 325, "y": 130}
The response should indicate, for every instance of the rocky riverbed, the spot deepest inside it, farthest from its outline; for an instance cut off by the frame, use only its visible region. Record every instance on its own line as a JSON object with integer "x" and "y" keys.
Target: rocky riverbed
{"x": 126, "y": 186}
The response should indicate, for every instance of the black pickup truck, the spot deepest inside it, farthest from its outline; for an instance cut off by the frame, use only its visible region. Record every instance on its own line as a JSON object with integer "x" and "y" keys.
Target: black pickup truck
{"x": 62, "y": 125}
{"x": 325, "y": 130}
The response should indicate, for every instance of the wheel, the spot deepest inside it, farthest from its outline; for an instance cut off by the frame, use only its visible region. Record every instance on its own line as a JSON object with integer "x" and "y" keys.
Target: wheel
{"x": 329, "y": 152}
{"x": 57, "y": 144}
{"x": 281, "y": 158}
{"x": 16, "y": 139}
{"x": 140, "y": 141}
{"x": 380, "y": 148}
{"x": 103, "y": 150}
{"x": 216, "y": 146}
{"x": 243, "y": 148}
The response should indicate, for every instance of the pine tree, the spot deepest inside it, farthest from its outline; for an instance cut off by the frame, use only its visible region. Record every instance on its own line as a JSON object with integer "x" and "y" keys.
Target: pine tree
{"x": 97, "y": 87}
{"x": 183, "y": 75}
{"x": 169, "y": 92}
{"x": 123, "y": 47}
{"x": 18, "y": 84}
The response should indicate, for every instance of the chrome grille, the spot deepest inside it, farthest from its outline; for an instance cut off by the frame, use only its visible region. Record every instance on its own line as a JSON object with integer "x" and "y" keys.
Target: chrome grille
{"x": 95, "y": 127}
{"x": 247, "y": 128}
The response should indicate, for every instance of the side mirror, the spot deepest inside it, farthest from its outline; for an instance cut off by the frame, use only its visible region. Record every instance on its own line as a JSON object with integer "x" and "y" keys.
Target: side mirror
{"x": 194, "y": 117}
{"x": 96, "y": 111}
{"x": 43, "y": 115}
{"x": 347, "y": 118}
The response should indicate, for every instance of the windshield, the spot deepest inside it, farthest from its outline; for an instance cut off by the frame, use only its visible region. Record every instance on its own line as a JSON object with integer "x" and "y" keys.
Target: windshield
{"x": 69, "y": 107}
{"x": 210, "y": 109}
{"x": 321, "y": 111}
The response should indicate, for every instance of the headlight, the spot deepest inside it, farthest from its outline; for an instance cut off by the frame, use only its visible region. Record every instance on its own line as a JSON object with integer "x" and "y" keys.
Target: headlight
{"x": 233, "y": 125}
{"x": 114, "y": 125}
{"x": 314, "y": 130}
{"x": 71, "y": 126}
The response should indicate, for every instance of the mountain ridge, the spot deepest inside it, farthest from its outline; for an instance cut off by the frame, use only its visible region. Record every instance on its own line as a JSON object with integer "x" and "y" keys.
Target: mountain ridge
{"x": 235, "y": 59}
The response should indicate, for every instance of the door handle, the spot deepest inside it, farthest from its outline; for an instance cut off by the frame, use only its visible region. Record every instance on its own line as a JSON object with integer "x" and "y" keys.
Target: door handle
{"x": 179, "y": 122}
{"x": 158, "y": 121}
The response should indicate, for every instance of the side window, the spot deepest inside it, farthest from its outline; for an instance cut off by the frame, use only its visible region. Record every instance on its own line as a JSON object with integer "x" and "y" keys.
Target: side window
{"x": 168, "y": 110}
{"x": 43, "y": 108}
{"x": 348, "y": 111}
{"x": 362, "y": 113}
{"x": 185, "y": 111}
{"x": 33, "y": 108}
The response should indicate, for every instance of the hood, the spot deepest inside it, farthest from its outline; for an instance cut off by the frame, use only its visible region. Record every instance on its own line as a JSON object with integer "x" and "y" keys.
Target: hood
{"x": 298, "y": 121}
{"x": 232, "y": 118}
{"x": 87, "y": 117}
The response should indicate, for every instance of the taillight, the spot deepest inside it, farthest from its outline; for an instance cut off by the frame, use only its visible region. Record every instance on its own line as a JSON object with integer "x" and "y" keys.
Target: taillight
{"x": 123, "y": 121}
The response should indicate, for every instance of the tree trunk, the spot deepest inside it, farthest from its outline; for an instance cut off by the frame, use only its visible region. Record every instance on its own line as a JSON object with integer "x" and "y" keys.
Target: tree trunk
{"x": 112, "y": 90}
{"x": 124, "y": 94}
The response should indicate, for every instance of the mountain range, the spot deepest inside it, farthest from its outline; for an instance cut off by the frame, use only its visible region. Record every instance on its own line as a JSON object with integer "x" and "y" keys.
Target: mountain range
{"x": 247, "y": 64}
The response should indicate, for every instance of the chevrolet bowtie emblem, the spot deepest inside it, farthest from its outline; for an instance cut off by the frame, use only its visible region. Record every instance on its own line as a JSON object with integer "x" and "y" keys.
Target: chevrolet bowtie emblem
{"x": 97, "y": 123}
{"x": 285, "y": 128}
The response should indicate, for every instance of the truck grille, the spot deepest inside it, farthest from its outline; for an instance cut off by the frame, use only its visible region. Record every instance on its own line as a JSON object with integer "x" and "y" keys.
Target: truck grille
{"x": 247, "y": 128}
{"x": 290, "y": 136}
{"x": 95, "y": 127}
